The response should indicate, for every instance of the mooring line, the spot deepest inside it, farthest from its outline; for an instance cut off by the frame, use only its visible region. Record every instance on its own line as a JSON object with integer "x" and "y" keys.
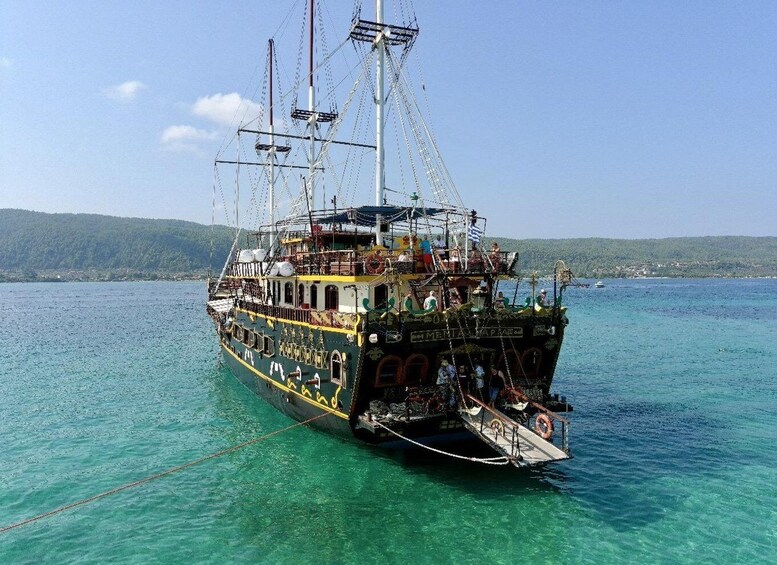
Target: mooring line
{"x": 157, "y": 476}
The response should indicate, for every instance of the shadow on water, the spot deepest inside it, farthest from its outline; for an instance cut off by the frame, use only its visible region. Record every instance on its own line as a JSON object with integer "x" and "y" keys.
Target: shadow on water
{"x": 250, "y": 415}
{"x": 621, "y": 456}
{"x": 485, "y": 480}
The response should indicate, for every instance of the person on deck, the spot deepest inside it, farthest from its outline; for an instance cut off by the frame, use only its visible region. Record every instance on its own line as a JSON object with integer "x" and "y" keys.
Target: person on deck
{"x": 480, "y": 381}
{"x": 403, "y": 262}
{"x": 426, "y": 253}
{"x": 431, "y": 301}
{"x": 455, "y": 260}
{"x": 439, "y": 247}
{"x": 496, "y": 384}
{"x": 542, "y": 298}
{"x": 495, "y": 256}
{"x": 445, "y": 376}
{"x": 464, "y": 379}
{"x": 500, "y": 301}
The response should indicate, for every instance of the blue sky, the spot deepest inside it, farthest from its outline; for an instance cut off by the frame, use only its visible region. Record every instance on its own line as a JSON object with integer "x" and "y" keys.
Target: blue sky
{"x": 556, "y": 119}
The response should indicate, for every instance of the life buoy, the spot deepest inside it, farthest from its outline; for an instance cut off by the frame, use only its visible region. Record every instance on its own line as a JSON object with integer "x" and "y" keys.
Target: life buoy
{"x": 374, "y": 264}
{"x": 497, "y": 426}
{"x": 434, "y": 405}
{"x": 543, "y": 425}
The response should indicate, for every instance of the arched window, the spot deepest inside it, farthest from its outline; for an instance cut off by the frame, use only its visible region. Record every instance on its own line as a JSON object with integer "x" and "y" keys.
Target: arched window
{"x": 416, "y": 369}
{"x": 314, "y": 296}
{"x": 509, "y": 365}
{"x": 300, "y": 294}
{"x": 337, "y": 368}
{"x": 331, "y": 297}
{"x": 288, "y": 293}
{"x": 530, "y": 360}
{"x": 389, "y": 371}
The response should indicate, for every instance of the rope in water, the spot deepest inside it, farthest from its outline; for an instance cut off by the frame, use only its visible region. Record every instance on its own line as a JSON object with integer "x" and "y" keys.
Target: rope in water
{"x": 157, "y": 476}
{"x": 486, "y": 461}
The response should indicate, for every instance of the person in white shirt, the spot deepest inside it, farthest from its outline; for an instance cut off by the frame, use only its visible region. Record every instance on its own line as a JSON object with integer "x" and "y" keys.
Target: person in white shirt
{"x": 431, "y": 301}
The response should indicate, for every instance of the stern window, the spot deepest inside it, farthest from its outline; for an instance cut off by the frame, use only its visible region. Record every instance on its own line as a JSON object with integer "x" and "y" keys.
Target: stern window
{"x": 389, "y": 371}
{"x": 416, "y": 369}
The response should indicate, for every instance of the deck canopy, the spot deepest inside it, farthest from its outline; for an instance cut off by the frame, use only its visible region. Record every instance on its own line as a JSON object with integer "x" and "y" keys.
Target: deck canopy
{"x": 366, "y": 215}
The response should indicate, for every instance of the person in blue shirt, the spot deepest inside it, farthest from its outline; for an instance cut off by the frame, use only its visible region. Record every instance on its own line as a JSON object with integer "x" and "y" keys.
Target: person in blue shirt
{"x": 426, "y": 253}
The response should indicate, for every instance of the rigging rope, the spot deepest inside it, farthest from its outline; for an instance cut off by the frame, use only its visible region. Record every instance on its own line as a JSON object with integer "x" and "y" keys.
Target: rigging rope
{"x": 157, "y": 476}
{"x": 485, "y": 460}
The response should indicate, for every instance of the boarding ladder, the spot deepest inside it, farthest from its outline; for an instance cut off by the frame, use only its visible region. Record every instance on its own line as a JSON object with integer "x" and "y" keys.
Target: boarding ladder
{"x": 522, "y": 446}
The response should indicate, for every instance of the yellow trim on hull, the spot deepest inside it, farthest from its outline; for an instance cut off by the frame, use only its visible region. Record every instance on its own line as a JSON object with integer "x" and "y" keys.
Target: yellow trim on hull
{"x": 284, "y": 387}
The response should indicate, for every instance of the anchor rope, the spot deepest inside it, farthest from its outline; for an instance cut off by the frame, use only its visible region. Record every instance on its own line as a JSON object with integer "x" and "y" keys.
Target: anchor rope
{"x": 156, "y": 476}
{"x": 485, "y": 460}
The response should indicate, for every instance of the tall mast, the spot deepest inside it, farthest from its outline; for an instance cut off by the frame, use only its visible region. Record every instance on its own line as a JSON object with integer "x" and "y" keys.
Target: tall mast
{"x": 380, "y": 61}
{"x": 270, "y": 148}
{"x": 272, "y": 157}
{"x": 312, "y": 119}
{"x": 380, "y": 35}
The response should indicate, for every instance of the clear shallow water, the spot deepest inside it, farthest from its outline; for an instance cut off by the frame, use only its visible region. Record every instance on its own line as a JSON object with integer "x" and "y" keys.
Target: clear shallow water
{"x": 674, "y": 440}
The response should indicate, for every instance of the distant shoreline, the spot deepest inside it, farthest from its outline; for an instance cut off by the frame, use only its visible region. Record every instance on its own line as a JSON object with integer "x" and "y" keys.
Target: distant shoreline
{"x": 203, "y": 278}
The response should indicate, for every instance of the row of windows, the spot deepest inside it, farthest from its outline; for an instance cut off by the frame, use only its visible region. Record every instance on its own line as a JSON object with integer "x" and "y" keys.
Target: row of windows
{"x": 331, "y": 295}
{"x": 263, "y": 343}
{"x": 413, "y": 371}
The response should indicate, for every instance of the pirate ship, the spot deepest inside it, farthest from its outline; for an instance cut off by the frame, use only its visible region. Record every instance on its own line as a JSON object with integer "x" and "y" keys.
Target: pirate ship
{"x": 389, "y": 317}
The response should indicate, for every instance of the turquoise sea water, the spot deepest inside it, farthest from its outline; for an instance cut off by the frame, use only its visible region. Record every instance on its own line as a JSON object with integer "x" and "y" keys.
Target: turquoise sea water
{"x": 674, "y": 436}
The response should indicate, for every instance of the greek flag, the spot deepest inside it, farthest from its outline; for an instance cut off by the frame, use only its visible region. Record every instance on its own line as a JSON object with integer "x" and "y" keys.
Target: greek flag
{"x": 474, "y": 234}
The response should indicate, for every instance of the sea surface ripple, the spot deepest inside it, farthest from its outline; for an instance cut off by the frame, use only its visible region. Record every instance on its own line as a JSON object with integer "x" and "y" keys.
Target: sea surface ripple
{"x": 673, "y": 433}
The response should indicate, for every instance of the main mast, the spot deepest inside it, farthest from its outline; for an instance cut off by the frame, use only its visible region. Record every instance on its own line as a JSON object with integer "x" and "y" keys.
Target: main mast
{"x": 381, "y": 35}
{"x": 380, "y": 170}
{"x": 312, "y": 119}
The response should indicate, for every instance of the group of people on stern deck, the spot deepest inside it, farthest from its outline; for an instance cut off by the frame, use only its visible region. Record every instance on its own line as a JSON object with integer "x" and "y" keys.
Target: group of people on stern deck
{"x": 454, "y": 382}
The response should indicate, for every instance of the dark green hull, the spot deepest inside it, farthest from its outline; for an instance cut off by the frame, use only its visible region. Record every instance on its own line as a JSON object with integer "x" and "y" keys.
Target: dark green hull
{"x": 387, "y": 358}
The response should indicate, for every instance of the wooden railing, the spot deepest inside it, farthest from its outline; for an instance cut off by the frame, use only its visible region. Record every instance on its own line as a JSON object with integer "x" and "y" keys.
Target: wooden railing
{"x": 326, "y": 318}
{"x": 509, "y": 422}
{"x": 368, "y": 262}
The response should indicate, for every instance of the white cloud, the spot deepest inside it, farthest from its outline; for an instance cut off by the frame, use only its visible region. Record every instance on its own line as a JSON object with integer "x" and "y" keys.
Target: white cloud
{"x": 226, "y": 108}
{"x": 185, "y": 138}
{"x": 5, "y": 63}
{"x": 125, "y": 92}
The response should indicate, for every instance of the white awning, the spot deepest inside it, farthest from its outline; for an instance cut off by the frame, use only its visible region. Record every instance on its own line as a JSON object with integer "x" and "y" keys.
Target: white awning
{"x": 221, "y": 306}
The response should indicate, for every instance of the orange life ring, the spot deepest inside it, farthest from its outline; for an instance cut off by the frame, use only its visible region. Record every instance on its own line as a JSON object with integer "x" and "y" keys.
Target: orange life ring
{"x": 374, "y": 264}
{"x": 434, "y": 405}
{"x": 543, "y": 425}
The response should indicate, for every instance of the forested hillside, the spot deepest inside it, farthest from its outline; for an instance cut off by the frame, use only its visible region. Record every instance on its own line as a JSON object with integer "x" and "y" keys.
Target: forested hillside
{"x": 728, "y": 256}
{"x": 38, "y": 246}
{"x": 94, "y": 246}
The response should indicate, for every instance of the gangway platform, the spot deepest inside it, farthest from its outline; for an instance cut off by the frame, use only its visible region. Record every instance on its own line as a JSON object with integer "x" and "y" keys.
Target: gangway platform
{"x": 519, "y": 444}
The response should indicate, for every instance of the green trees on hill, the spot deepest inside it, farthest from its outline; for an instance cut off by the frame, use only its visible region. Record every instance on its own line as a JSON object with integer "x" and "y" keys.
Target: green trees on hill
{"x": 34, "y": 243}
{"x": 50, "y": 242}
